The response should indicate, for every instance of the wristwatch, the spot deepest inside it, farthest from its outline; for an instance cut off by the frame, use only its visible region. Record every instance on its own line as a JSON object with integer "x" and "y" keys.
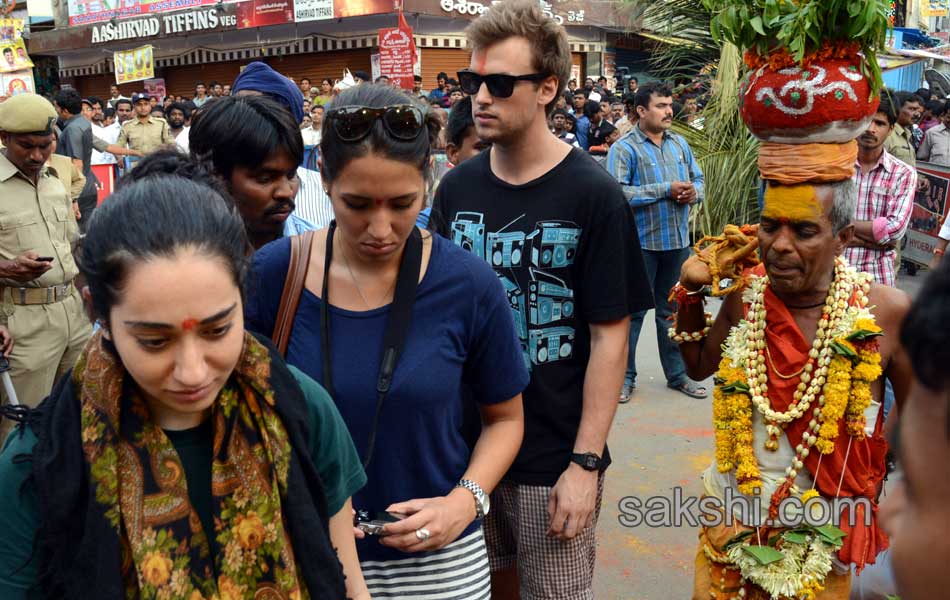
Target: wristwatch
{"x": 482, "y": 501}
{"x": 588, "y": 461}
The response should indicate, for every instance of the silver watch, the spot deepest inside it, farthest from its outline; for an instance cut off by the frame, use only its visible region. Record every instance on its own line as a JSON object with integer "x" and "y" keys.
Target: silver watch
{"x": 482, "y": 501}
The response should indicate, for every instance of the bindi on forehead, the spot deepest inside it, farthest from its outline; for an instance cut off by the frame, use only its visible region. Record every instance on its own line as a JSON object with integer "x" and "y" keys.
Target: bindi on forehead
{"x": 792, "y": 203}
{"x": 189, "y": 324}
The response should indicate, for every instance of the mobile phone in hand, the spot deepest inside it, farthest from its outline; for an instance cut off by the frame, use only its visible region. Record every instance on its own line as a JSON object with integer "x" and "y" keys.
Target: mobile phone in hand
{"x": 44, "y": 258}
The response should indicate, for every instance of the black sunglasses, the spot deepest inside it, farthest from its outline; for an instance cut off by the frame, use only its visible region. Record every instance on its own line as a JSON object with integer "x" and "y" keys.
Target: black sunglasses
{"x": 499, "y": 85}
{"x": 353, "y": 123}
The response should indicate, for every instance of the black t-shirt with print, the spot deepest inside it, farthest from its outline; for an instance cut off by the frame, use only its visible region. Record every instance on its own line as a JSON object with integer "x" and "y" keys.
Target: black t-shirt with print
{"x": 566, "y": 250}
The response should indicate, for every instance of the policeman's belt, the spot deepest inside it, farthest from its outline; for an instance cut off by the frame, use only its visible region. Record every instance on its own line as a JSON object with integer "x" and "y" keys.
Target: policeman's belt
{"x": 31, "y": 295}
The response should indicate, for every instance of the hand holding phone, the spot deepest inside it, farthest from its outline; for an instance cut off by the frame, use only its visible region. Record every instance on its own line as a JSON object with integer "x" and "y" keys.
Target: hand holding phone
{"x": 375, "y": 526}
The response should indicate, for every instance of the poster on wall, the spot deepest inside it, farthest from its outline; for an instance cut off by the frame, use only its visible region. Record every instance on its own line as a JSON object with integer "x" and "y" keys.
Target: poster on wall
{"x": 374, "y": 71}
{"x": 15, "y": 57}
{"x": 155, "y": 88}
{"x": 934, "y": 8}
{"x": 260, "y": 13}
{"x": 18, "y": 82}
{"x": 11, "y": 30}
{"x": 610, "y": 68}
{"x": 930, "y": 211}
{"x": 134, "y": 65}
{"x": 313, "y": 10}
{"x": 576, "y": 74}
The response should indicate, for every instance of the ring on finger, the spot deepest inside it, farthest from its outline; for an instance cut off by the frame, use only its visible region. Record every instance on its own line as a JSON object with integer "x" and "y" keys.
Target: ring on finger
{"x": 423, "y": 534}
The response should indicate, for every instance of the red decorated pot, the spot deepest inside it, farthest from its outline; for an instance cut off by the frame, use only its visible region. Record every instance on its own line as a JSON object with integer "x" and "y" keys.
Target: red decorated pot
{"x": 827, "y": 102}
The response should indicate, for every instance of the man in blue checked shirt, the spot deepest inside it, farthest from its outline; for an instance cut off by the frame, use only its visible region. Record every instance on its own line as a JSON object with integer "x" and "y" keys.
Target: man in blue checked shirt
{"x": 661, "y": 180}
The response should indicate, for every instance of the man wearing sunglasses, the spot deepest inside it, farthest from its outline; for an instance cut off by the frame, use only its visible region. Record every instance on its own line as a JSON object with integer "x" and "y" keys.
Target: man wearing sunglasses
{"x": 557, "y": 231}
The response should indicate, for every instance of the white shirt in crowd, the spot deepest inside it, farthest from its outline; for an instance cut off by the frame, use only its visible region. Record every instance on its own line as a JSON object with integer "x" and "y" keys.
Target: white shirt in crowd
{"x": 311, "y": 136}
{"x": 109, "y": 134}
{"x": 313, "y": 204}
{"x": 182, "y": 140}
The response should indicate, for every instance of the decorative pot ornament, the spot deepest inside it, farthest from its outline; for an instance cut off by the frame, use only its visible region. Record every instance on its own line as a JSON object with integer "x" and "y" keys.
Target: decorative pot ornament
{"x": 828, "y": 102}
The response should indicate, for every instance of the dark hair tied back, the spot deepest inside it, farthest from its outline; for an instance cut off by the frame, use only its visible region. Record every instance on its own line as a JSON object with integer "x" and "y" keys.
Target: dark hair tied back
{"x": 155, "y": 218}
{"x": 336, "y": 154}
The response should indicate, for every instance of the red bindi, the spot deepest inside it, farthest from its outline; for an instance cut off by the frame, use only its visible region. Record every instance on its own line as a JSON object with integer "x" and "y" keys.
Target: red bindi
{"x": 379, "y": 201}
{"x": 189, "y": 324}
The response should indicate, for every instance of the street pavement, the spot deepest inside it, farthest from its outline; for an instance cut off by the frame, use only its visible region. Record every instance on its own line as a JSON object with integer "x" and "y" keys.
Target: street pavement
{"x": 661, "y": 440}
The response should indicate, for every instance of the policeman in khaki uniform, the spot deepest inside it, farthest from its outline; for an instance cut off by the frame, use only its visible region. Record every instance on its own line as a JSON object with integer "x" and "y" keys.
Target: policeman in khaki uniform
{"x": 144, "y": 134}
{"x": 39, "y": 304}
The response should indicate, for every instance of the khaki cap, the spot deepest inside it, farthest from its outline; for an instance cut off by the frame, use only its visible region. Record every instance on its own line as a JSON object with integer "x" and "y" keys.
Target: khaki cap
{"x": 27, "y": 113}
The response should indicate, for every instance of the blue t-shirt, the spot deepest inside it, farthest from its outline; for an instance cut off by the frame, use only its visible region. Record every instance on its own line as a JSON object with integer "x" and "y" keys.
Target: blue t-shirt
{"x": 462, "y": 334}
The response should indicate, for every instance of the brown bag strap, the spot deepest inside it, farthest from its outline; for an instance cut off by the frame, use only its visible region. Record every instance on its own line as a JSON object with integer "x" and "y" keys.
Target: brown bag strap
{"x": 300, "y": 246}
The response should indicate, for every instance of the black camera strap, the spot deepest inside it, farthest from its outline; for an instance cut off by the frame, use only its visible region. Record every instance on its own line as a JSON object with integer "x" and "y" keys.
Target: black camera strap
{"x": 397, "y": 325}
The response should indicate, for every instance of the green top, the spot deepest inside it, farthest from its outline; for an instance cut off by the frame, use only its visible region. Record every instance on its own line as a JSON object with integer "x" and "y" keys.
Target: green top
{"x": 331, "y": 449}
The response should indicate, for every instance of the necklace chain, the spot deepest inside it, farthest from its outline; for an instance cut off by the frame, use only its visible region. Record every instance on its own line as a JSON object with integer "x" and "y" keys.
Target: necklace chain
{"x": 356, "y": 283}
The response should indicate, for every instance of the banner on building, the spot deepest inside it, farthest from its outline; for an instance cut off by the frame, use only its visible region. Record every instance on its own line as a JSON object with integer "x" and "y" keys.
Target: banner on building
{"x": 358, "y": 8}
{"x": 17, "y": 82}
{"x": 260, "y": 13}
{"x": 313, "y": 10}
{"x": 934, "y": 8}
{"x": 134, "y": 65}
{"x": 397, "y": 54}
{"x": 15, "y": 57}
{"x": 83, "y": 12}
{"x": 155, "y": 88}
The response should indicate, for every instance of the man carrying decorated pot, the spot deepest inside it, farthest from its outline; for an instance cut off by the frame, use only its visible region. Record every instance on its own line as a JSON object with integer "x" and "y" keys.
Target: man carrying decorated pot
{"x": 801, "y": 341}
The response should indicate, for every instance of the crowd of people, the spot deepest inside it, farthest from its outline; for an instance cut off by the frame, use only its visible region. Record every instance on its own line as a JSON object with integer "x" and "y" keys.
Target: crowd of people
{"x": 295, "y": 355}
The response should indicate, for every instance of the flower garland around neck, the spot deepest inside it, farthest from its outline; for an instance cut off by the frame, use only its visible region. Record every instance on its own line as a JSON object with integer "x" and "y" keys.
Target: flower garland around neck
{"x": 842, "y": 363}
{"x": 836, "y": 379}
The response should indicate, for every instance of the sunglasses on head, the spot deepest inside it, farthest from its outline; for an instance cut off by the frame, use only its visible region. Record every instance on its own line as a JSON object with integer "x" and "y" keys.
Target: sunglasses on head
{"x": 499, "y": 85}
{"x": 353, "y": 123}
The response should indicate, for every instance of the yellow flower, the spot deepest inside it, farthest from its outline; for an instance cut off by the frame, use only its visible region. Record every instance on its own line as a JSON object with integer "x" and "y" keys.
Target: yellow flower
{"x": 156, "y": 568}
{"x": 228, "y": 590}
{"x": 810, "y": 494}
{"x": 866, "y": 325}
{"x": 249, "y": 530}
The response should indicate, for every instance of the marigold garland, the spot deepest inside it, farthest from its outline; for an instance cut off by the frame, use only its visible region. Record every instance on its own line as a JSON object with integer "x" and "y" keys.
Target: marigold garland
{"x": 845, "y": 395}
{"x": 844, "y": 360}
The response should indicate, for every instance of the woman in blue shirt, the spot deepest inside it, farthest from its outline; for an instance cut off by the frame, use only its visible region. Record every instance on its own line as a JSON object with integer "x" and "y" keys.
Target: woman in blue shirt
{"x": 461, "y": 345}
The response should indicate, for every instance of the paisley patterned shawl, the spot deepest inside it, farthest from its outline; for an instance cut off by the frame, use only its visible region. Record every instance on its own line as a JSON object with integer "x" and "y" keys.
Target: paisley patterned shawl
{"x": 139, "y": 536}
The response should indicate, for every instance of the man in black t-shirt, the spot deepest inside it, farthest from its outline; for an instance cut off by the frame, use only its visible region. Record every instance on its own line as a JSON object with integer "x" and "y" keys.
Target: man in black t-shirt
{"x": 556, "y": 229}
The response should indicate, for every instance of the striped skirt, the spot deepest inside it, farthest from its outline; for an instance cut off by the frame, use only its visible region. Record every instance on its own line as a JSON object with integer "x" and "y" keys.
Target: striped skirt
{"x": 457, "y": 572}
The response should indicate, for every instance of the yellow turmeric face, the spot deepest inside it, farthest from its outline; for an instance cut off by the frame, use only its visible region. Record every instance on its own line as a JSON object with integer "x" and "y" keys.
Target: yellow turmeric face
{"x": 792, "y": 203}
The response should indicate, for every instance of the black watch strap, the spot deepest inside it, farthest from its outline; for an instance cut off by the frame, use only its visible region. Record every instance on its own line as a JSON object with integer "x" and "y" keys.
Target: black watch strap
{"x": 588, "y": 461}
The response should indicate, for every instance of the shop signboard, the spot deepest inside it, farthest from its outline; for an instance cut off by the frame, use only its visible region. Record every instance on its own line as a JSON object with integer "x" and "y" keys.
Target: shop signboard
{"x": 934, "y": 8}
{"x": 313, "y": 10}
{"x": 185, "y": 22}
{"x": 930, "y": 210}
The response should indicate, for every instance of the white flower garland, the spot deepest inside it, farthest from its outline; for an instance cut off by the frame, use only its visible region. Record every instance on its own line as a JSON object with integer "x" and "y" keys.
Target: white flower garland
{"x": 803, "y": 566}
